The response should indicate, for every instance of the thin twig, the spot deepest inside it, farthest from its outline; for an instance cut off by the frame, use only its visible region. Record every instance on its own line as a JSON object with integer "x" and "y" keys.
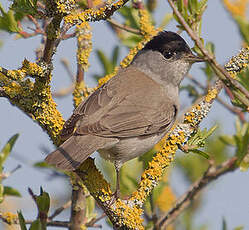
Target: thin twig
{"x": 64, "y": 91}
{"x": 231, "y": 108}
{"x": 211, "y": 59}
{"x": 124, "y": 27}
{"x": 95, "y": 220}
{"x": 63, "y": 224}
{"x": 67, "y": 67}
{"x": 78, "y": 208}
{"x": 212, "y": 173}
{"x": 60, "y": 209}
{"x": 89, "y": 4}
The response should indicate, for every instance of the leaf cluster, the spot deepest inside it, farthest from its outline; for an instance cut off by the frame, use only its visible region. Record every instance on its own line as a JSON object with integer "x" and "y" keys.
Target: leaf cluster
{"x": 4, "y": 154}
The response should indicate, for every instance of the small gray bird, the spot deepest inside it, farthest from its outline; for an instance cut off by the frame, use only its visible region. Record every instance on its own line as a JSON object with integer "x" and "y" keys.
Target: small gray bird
{"x": 131, "y": 112}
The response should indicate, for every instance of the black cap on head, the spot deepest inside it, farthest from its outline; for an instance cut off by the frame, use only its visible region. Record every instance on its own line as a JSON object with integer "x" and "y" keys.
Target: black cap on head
{"x": 167, "y": 41}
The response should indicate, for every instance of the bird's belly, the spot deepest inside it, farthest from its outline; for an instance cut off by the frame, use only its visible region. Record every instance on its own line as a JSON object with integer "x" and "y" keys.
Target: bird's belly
{"x": 129, "y": 148}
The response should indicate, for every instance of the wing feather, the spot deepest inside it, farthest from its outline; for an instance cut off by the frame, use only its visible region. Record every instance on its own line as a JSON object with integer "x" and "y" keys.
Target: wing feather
{"x": 112, "y": 111}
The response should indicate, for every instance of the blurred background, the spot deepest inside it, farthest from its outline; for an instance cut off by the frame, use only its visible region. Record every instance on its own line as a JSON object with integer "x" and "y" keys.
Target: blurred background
{"x": 225, "y": 199}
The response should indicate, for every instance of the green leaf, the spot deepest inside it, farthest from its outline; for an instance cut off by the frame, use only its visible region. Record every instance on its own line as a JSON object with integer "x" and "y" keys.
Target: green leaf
{"x": 24, "y": 7}
{"x": 131, "y": 16}
{"x": 244, "y": 165}
{"x": 224, "y": 224}
{"x": 8, "y": 21}
{"x": 199, "y": 138}
{"x": 1, "y": 193}
{"x": 243, "y": 78}
{"x": 43, "y": 201}
{"x": 239, "y": 228}
{"x": 42, "y": 164}
{"x": 9, "y": 191}
{"x": 115, "y": 55}
{"x": 36, "y": 225}
{"x": 201, "y": 153}
{"x": 90, "y": 207}
{"x": 107, "y": 65}
{"x": 180, "y": 5}
{"x": 202, "y": 5}
{"x": 7, "y": 149}
{"x": 21, "y": 221}
{"x": 208, "y": 133}
{"x": 131, "y": 41}
{"x": 228, "y": 140}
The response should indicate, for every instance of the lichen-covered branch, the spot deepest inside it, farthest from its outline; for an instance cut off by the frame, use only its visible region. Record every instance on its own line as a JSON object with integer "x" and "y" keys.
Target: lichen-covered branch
{"x": 84, "y": 43}
{"x": 33, "y": 98}
{"x": 94, "y": 14}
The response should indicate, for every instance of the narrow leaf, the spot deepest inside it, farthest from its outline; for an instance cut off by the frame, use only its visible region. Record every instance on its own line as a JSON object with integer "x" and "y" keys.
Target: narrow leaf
{"x": 7, "y": 149}
{"x": 36, "y": 225}
{"x": 107, "y": 65}
{"x": 115, "y": 55}
{"x": 9, "y": 191}
{"x": 21, "y": 221}
{"x": 201, "y": 153}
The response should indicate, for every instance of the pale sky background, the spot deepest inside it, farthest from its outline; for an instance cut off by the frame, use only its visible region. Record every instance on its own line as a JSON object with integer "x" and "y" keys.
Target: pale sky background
{"x": 228, "y": 197}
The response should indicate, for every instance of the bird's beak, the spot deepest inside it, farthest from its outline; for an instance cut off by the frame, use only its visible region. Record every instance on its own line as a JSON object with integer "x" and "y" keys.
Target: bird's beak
{"x": 193, "y": 58}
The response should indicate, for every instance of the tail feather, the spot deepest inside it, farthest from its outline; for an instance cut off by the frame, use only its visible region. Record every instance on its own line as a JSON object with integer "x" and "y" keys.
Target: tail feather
{"x": 74, "y": 151}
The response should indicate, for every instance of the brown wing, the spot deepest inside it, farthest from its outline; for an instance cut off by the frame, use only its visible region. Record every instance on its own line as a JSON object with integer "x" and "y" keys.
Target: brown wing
{"x": 130, "y": 104}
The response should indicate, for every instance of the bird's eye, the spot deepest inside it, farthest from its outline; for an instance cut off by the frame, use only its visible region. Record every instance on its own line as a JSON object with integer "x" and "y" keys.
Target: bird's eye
{"x": 168, "y": 54}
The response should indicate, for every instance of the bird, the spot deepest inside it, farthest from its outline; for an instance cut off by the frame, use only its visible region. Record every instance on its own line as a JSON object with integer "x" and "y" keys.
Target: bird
{"x": 131, "y": 112}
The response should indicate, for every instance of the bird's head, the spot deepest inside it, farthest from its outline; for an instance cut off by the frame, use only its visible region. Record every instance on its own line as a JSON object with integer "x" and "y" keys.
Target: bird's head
{"x": 168, "y": 56}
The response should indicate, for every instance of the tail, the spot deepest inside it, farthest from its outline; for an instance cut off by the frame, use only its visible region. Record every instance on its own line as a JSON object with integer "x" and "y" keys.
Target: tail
{"x": 74, "y": 151}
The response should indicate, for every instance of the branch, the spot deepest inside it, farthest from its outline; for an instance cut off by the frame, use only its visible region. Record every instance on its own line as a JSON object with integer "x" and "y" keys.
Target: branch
{"x": 78, "y": 208}
{"x": 59, "y": 210}
{"x": 220, "y": 71}
{"x": 124, "y": 27}
{"x": 52, "y": 36}
{"x": 64, "y": 91}
{"x": 91, "y": 15}
{"x": 212, "y": 173}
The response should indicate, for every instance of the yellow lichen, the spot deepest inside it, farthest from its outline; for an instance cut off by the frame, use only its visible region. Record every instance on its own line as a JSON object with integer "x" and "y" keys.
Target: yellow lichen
{"x": 32, "y": 69}
{"x": 211, "y": 95}
{"x": 10, "y": 217}
{"x": 189, "y": 117}
{"x": 127, "y": 216}
{"x": 146, "y": 27}
{"x": 84, "y": 43}
{"x": 94, "y": 14}
{"x": 100, "y": 188}
{"x": 16, "y": 74}
{"x": 65, "y": 6}
{"x": 238, "y": 63}
{"x": 80, "y": 92}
